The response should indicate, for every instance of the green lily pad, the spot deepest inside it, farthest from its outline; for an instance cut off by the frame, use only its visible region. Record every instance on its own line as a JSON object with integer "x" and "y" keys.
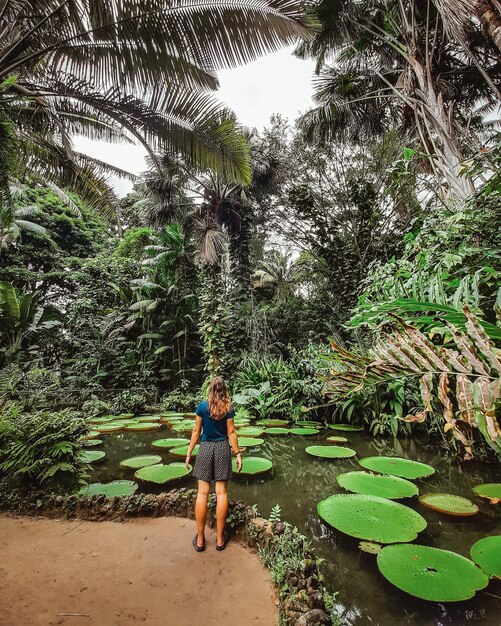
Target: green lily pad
{"x": 89, "y": 443}
{"x": 330, "y": 452}
{"x": 250, "y": 431}
{"x": 304, "y": 431}
{"x": 250, "y": 442}
{"x": 108, "y": 428}
{"x": 110, "y": 490}
{"x": 92, "y": 456}
{"x": 336, "y": 439}
{"x": 370, "y": 547}
{"x": 252, "y": 465}
{"x": 92, "y": 434}
{"x": 171, "y": 420}
{"x": 449, "y": 504}
{"x": 100, "y": 420}
{"x": 276, "y": 431}
{"x": 182, "y": 451}
{"x": 486, "y": 552}
{"x": 183, "y": 427}
{"x": 126, "y": 416}
{"x": 309, "y": 424}
{"x": 395, "y": 466}
{"x": 147, "y": 418}
{"x": 347, "y": 427}
{"x": 371, "y": 518}
{"x": 491, "y": 491}
{"x": 390, "y": 487}
{"x": 144, "y": 460}
{"x": 190, "y": 415}
{"x": 162, "y": 474}
{"x": 172, "y": 442}
{"x": 143, "y": 426}
{"x": 430, "y": 573}
{"x": 272, "y": 423}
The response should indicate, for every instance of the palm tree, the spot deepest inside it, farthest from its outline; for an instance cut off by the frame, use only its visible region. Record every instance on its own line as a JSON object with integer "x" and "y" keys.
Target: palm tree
{"x": 279, "y": 271}
{"x": 130, "y": 71}
{"x": 386, "y": 65}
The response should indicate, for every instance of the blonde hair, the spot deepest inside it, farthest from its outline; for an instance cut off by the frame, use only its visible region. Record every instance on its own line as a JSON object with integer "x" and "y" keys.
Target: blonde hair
{"x": 219, "y": 398}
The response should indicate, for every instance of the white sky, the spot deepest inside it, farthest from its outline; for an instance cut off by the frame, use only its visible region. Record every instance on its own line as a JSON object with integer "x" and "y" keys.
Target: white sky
{"x": 277, "y": 83}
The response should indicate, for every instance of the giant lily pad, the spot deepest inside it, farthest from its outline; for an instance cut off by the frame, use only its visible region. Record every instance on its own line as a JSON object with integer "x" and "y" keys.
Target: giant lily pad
{"x": 182, "y": 451}
{"x": 396, "y": 466}
{"x": 250, "y": 442}
{"x": 110, "y": 490}
{"x": 252, "y": 465}
{"x": 167, "y": 419}
{"x": 250, "y": 431}
{"x": 126, "y": 416}
{"x": 92, "y": 434}
{"x": 431, "y": 573}
{"x": 330, "y": 452}
{"x": 304, "y": 431}
{"x": 183, "y": 427}
{"x": 309, "y": 424}
{"x": 336, "y": 439}
{"x": 92, "y": 456}
{"x": 272, "y": 423}
{"x": 347, "y": 427}
{"x": 147, "y": 418}
{"x": 162, "y": 474}
{"x": 108, "y": 428}
{"x": 390, "y": 487}
{"x": 371, "y": 518}
{"x": 172, "y": 442}
{"x": 100, "y": 420}
{"x": 491, "y": 491}
{"x": 449, "y": 504}
{"x": 143, "y": 426}
{"x": 144, "y": 460}
{"x": 277, "y": 431}
{"x": 90, "y": 443}
{"x": 486, "y": 552}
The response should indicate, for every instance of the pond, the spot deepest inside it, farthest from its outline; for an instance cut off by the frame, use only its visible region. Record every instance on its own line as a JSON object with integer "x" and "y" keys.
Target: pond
{"x": 297, "y": 483}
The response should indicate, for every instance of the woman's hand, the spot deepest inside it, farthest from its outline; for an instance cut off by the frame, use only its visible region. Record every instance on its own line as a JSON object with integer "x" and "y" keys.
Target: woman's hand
{"x": 239, "y": 462}
{"x": 187, "y": 461}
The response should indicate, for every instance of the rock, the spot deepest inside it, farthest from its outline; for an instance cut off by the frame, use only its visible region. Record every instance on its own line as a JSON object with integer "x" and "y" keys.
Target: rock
{"x": 316, "y": 600}
{"x": 312, "y": 582}
{"x": 315, "y": 617}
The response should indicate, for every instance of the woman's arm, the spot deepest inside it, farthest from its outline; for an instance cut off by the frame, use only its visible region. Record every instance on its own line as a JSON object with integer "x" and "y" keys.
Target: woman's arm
{"x": 232, "y": 436}
{"x": 195, "y": 436}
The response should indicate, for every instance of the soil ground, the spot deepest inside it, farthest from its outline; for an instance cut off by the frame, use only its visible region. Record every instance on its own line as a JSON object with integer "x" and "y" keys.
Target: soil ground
{"x": 118, "y": 574}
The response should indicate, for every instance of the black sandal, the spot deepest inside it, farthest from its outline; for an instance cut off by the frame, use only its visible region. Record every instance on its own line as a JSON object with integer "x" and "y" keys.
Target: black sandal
{"x": 223, "y": 546}
{"x": 196, "y": 546}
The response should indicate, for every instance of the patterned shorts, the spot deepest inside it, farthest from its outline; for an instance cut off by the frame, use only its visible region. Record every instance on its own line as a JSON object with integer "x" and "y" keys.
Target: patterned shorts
{"x": 213, "y": 461}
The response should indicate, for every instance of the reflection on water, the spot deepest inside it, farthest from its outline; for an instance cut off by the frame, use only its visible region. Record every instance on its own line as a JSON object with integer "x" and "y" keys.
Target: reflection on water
{"x": 299, "y": 481}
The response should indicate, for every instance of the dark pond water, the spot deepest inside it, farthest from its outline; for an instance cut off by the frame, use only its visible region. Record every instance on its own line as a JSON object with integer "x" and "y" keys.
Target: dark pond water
{"x": 299, "y": 481}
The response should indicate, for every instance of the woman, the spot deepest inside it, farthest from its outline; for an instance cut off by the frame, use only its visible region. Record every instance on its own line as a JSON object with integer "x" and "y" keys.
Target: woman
{"x": 213, "y": 463}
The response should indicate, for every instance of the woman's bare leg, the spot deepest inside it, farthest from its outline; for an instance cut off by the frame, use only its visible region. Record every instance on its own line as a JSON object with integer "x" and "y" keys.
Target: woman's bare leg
{"x": 201, "y": 510}
{"x": 221, "y": 509}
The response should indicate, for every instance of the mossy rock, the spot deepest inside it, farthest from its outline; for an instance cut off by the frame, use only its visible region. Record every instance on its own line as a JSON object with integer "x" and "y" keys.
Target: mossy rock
{"x": 172, "y": 442}
{"x": 304, "y": 431}
{"x": 182, "y": 451}
{"x": 277, "y": 431}
{"x": 161, "y": 474}
{"x": 391, "y": 487}
{"x": 253, "y": 465}
{"x": 491, "y": 491}
{"x": 330, "y": 452}
{"x": 110, "y": 427}
{"x": 396, "y": 466}
{"x": 92, "y": 456}
{"x": 346, "y": 427}
{"x": 90, "y": 443}
{"x": 142, "y": 426}
{"x": 337, "y": 439}
{"x": 143, "y": 460}
{"x": 271, "y": 423}
{"x": 430, "y": 573}
{"x": 110, "y": 490}
{"x": 250, "y": 431}
{"x": 486, "y": 553}
{"x": 449, "y": 504}
{"x": 371, "y": 518}
{"x": 250, "y": 442}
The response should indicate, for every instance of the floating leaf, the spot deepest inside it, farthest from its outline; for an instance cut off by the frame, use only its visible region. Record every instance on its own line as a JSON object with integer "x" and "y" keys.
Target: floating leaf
{"x": 277, "y": 431}
{"x": 148, "y": 418}
{"x": 162, "y": 474}
{"x": 182, "y": 451}
{"x": 430, "y": 573}
{"x": 330, "y": 452}
{"x": 486, "y": 552}
{"x": 336, "y": 439}
{"x": 91, "y": 456}
{"x": 405, "y": 468}
{"x": 272, "y": 423}
{"x": 390, "y": 487}
{"x": 109, "y": 428}
{"x": 249, "y": 442}
{"x": 172, "y": 442}
{"x": 100, "y": 420}
{"x": 370, "y": 547}
{"x": 141, "y": 461}
{"x": 491, "y": 491}
{"x": 449, "y": 504}
{"x": 110, "y": 490}
{"x": 92, "y": 434}
{"x": 309, "y": 424}
{"x": 143, "y": 426}
{"x": 304, "y": 431}
{"x": 371, "y": 518}
{"x": 347, "y": 427}
{"x": 252, "y": 465}
{"x": 91, "y": 442}
{"x": 250, "y": 431}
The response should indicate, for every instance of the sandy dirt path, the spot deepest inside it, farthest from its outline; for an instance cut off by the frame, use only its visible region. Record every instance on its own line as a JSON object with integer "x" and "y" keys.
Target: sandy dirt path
{"x": 139, "y": 572}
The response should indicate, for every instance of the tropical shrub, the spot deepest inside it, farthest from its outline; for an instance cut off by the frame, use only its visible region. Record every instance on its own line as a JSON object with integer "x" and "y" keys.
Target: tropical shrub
{"x": 130, "y": 402}
{"x": 40, "y": 452}
{"x": 95, "y": 407}
{"x": 182, "y": 399}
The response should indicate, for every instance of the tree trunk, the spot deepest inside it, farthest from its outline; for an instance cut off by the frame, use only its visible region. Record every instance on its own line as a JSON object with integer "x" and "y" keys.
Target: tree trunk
{"x": 490, "y": 18}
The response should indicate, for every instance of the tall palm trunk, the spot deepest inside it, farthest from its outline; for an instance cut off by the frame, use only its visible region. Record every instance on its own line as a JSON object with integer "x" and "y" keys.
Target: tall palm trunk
{"x": 489, "y": 14}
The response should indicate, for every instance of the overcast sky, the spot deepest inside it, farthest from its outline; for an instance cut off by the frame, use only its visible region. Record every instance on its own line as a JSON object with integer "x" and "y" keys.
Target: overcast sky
{"x": 277, "y": 83}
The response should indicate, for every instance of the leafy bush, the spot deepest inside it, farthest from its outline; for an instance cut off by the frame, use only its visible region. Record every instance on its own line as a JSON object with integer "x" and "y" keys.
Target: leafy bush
{"x": 130, "y": 402}
{"x": 284, "y": 553}
{"x": 41, "y": 452}
{"x": 95, "y": 407}
{"x": 182, "y": 399}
